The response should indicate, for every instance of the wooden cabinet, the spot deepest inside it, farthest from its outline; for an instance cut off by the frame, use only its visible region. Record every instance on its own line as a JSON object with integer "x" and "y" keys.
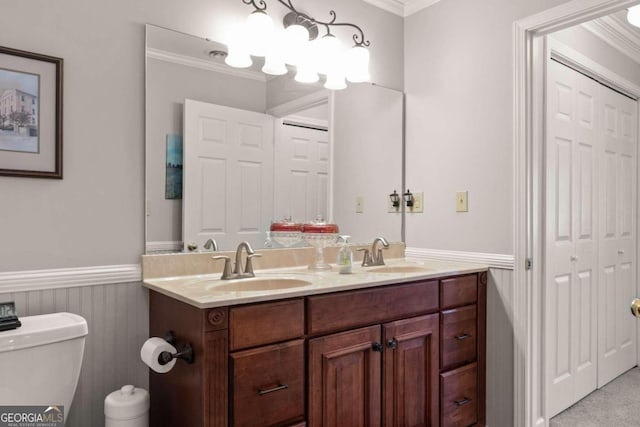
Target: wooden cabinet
{"x": 344, "y": 379}
{"x": 410, "y": 354}
{"x": 410, "y": 375}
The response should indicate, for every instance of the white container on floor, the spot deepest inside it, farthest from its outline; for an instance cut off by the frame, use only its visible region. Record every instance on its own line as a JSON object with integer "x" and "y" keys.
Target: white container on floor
{"x": 127, "y": 407}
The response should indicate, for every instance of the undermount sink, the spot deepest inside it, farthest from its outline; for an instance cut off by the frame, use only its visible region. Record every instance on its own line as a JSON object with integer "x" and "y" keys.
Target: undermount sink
{"x": 258, "y": 284}
{"x": 400, "y": 269}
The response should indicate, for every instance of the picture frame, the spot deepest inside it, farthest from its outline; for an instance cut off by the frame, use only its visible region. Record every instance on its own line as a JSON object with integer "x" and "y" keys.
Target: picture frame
{"x": 30, "y": 114}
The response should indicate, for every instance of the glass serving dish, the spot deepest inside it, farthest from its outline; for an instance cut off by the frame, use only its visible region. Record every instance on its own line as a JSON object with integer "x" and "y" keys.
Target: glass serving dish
{"x": 319, "y": 234}
{"x": 286, "y": 232}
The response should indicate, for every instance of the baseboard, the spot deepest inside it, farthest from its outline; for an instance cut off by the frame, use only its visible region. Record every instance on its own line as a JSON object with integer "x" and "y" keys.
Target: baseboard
{"x": 501, "y": 261}
{"x": 21, "y": 281}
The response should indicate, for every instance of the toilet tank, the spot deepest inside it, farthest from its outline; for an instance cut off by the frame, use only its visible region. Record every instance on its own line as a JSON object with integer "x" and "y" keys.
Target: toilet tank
{"x": 40, "y": 361}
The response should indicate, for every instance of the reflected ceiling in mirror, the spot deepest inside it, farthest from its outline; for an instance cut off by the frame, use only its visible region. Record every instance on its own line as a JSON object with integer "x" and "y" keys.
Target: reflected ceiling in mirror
{"x": 338, "y": 154}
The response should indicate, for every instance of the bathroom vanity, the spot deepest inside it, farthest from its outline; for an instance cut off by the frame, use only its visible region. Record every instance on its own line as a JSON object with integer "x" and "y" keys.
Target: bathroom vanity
{"x": 389, "y": 348}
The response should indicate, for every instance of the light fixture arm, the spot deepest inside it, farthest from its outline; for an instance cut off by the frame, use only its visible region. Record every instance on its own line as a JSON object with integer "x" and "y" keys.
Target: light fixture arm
{"x": 358, "y": 36}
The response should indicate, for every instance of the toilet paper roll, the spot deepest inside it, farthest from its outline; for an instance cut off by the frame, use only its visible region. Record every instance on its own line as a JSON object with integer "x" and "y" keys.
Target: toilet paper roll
{"x": 151, "y": 350}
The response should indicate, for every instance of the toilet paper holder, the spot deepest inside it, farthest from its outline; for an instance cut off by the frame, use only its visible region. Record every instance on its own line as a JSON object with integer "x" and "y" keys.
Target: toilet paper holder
{"x": 185, "y": 354}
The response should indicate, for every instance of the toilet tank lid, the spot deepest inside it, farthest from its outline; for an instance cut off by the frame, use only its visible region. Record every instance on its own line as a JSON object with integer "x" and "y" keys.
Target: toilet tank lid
{"x": 43, "y": 329}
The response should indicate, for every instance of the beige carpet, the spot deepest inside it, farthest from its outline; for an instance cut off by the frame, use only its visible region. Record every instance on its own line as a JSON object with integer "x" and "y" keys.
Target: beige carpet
{"x": 615, "y": 405}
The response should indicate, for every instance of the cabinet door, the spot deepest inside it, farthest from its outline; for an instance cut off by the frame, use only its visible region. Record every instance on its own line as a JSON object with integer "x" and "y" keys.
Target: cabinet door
{"x": 344, "y": 379}
{"x": 411, "y": 367}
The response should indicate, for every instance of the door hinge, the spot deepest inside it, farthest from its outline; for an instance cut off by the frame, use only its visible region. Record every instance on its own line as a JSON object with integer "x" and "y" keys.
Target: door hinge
{"x": 529, "y": 263}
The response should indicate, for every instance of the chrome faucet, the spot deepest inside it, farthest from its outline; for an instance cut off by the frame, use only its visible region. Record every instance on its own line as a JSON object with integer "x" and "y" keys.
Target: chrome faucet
{"x": 374, "y": 257}
{"x": 211, "y": 244}
{"x": 238, "y": 271}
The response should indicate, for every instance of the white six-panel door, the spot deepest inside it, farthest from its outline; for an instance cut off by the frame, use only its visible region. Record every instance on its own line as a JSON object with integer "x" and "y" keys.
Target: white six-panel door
{"x": 590, "y": 268}
{"x": 301, "y": 172}
{"x": 571, "y": 237}
{"x": 228, "y": 174}
{"x": 617, "y": 254}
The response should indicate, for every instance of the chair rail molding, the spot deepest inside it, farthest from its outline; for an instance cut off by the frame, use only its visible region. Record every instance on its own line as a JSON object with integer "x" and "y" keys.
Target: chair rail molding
{"x": 21, "y": 281}
{"x": 528, "y": 127}
{"x": 504, "y": 262}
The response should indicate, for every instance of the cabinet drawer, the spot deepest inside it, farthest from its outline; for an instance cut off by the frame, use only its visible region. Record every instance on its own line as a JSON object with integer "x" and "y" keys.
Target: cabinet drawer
{"x": 459, "y": 396}
{"x": 259, "y": 324}
{"x": 457, "y": 336}
{"x": 458, "y": 291}
{"x": 268, "y": 385}
{"x": 333, "y": 312}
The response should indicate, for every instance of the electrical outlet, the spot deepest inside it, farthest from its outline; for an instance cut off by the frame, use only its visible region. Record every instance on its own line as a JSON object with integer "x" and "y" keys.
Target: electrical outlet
{"x": 462, "y": 201}
{"x": 418, "y": 205}
{"x": 359, "y": 204}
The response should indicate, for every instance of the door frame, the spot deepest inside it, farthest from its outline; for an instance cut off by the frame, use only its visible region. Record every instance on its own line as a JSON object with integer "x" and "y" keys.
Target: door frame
{"x": 529, "y": 67}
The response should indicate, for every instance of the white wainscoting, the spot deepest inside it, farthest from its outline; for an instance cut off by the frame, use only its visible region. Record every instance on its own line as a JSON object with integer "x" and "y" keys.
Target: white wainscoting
{"x": 118, "y": 319}
{"x": 499, "y": 327}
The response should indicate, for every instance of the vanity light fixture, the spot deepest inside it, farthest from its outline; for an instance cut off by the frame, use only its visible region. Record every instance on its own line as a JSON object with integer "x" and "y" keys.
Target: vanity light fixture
{"x": 408, "y": 198}
{"x": 633, "y": 15}
{"x": 300, "y": 44}
{"x": 395, "y": 199}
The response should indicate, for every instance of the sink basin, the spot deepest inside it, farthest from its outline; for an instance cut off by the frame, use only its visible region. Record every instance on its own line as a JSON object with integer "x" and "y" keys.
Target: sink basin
{"x": 400, "y": 269}
{"x": 258, "y": 284}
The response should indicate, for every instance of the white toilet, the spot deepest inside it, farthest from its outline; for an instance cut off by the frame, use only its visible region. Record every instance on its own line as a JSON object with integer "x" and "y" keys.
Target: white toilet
{"x": 40, "y": 361}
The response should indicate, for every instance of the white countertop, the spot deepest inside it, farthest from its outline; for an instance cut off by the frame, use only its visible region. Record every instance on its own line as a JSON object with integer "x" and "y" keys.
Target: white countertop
{"x": 208, "y": 291}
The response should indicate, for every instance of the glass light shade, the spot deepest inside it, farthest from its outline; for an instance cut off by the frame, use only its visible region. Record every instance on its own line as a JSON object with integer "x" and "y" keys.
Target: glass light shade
{"x": 296, "y": 39}
{"x": 307, "y": 66}
{"x": 259, "y": 30}
{"x": 357, "y": 62}
{"x": 633, "y": 16}
{"x": 335, "y": 81}
{"x": 238, "y": 56}
{"x": 328, "y": 50}
{"x": 274, "y": 65}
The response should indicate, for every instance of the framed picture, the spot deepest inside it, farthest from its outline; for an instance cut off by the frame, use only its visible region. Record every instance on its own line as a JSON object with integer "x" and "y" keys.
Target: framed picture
{"x": 30, "y": 114}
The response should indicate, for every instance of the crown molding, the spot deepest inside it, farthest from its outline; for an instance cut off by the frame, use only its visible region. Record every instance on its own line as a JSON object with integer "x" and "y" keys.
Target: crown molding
{"x": 615, "y": 34}
{"x": 402, "y": 8}
{"x": 203, "y": 64}
{"x": 36, "y": 280}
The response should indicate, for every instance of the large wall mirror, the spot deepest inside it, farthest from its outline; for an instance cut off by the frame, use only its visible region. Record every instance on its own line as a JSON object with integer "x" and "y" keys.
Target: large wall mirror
{"x": 251, "y": 149}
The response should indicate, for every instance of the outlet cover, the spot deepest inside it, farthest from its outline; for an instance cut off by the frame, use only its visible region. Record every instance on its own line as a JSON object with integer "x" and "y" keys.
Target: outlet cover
{"x": 359, "y": 204}
{"x": 462, "y": 201}
{"x": 418, "y": 205}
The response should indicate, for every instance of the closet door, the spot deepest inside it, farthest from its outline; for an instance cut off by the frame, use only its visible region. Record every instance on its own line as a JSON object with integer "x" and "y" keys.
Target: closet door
{"x": 571, "y": 233}
{"x": 301, "y": 172}
{"x": 617, "y": 229}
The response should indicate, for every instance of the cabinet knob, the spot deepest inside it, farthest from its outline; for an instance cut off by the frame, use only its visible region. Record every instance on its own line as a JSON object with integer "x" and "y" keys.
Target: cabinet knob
{"x": 376, "y": 346}
{"x": 620, "y": 252}
{"x": 392, "y": 344}
{"x": 573, "y": 258}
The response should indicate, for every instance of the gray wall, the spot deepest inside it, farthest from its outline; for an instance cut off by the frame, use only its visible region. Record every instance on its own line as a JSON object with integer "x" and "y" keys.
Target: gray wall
{"x": 459, "y": 101}
{"x": 95, "y": 216}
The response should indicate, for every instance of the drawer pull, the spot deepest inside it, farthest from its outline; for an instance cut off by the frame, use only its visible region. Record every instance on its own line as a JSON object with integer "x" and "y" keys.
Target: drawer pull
{"x": 462, "y": 401}
{"x": 463, "y": 337}
{"x": 262, "y": 392}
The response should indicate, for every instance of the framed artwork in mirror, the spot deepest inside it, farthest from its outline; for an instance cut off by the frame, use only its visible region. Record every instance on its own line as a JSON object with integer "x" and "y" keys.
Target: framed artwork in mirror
{"x": 30, "y": 114}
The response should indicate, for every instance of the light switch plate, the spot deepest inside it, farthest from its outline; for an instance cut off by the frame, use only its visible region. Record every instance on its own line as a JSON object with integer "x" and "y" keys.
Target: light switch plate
{"x": 359, "y": 204}
{"x": 462, "y": 204}
{"x": 418, "y": 205}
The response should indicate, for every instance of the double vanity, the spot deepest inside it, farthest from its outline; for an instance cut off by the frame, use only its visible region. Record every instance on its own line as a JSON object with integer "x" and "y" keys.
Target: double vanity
{"x": 400, "y": 344}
